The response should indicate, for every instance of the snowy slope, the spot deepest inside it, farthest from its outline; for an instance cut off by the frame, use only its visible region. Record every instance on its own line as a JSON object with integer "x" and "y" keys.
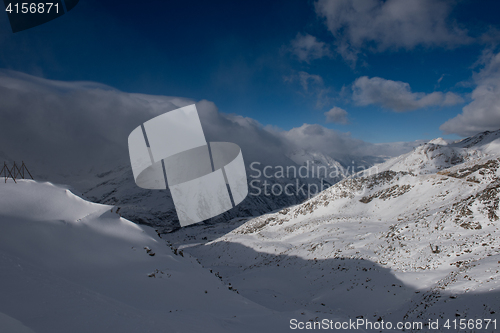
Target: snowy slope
{"x": 68, "y": 265}
{"x": 419, "y": 240}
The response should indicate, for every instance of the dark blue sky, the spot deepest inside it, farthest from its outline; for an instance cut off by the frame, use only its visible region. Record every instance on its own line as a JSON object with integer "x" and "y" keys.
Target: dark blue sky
{"x": 246, "y": 58}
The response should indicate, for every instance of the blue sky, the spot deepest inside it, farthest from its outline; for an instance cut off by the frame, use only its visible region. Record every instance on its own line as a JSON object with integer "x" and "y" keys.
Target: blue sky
{"x": 389, "y": 72}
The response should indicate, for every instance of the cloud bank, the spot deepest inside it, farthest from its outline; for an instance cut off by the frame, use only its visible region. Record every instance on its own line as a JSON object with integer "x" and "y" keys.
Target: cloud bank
{"x": 397, "y": 96}
{"x": 483, "y": 113}
{"x": 393, "y": 24}
{"x": 67, "y": 128}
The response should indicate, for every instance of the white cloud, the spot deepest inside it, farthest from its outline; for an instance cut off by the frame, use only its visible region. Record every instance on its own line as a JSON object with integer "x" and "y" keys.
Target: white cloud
{"x": 71, "y": 127}
{"x": 310, "y": 80}
{"x": 318, "y": 138}
{"x": 313, "y": 137}
{"x": 336, "y": 115}
{"x": 441, "y": 78}
{"x": 312, "y": 86}
{"x": 307, "y": 48}
{"x": 392, "y": 24}
{"x": 397, "y": 96}
{"x": 483, "y": 113}
{"x": 451, "y": 99}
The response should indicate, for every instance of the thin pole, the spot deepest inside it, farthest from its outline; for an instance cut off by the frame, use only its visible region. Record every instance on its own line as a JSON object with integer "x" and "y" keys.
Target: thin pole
{"x": 3, "y": 170}
{"x": 24, "y": 167}
{"x": 7, "y": 169}
{"x": 15, "y": 167}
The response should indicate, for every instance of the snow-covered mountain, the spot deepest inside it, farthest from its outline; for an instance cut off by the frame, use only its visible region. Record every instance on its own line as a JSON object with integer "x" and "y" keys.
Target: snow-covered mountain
{"x": 68, "y": 265}
{"x": 439, "y": 154}
{"x": 413, "y": 239}
{"x": 315, "y": 158}
{"x": 332, "y": 169}
{"x": 389, "y": 246}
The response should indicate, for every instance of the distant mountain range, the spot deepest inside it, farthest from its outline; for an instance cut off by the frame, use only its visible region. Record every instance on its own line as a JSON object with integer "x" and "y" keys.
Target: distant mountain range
{"x": 156, "y": 209}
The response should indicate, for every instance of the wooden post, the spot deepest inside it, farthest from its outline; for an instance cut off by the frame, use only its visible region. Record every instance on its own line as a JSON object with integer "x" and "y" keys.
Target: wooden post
{"x": 15, "y": 168}
{"x": 14, "y": 171}
{"x": 23, "y": 167}
{"x": 7, "y": 170}
{"x": 3, "y": 170}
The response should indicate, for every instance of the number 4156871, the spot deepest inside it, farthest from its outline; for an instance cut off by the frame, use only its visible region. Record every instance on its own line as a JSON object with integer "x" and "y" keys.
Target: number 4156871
{"x": 471, "y": 324}
{"x": 33, "y": 8}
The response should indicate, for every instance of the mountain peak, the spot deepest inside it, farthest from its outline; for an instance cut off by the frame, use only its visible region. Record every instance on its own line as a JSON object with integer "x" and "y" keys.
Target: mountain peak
{"x": 479, "y": 139}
